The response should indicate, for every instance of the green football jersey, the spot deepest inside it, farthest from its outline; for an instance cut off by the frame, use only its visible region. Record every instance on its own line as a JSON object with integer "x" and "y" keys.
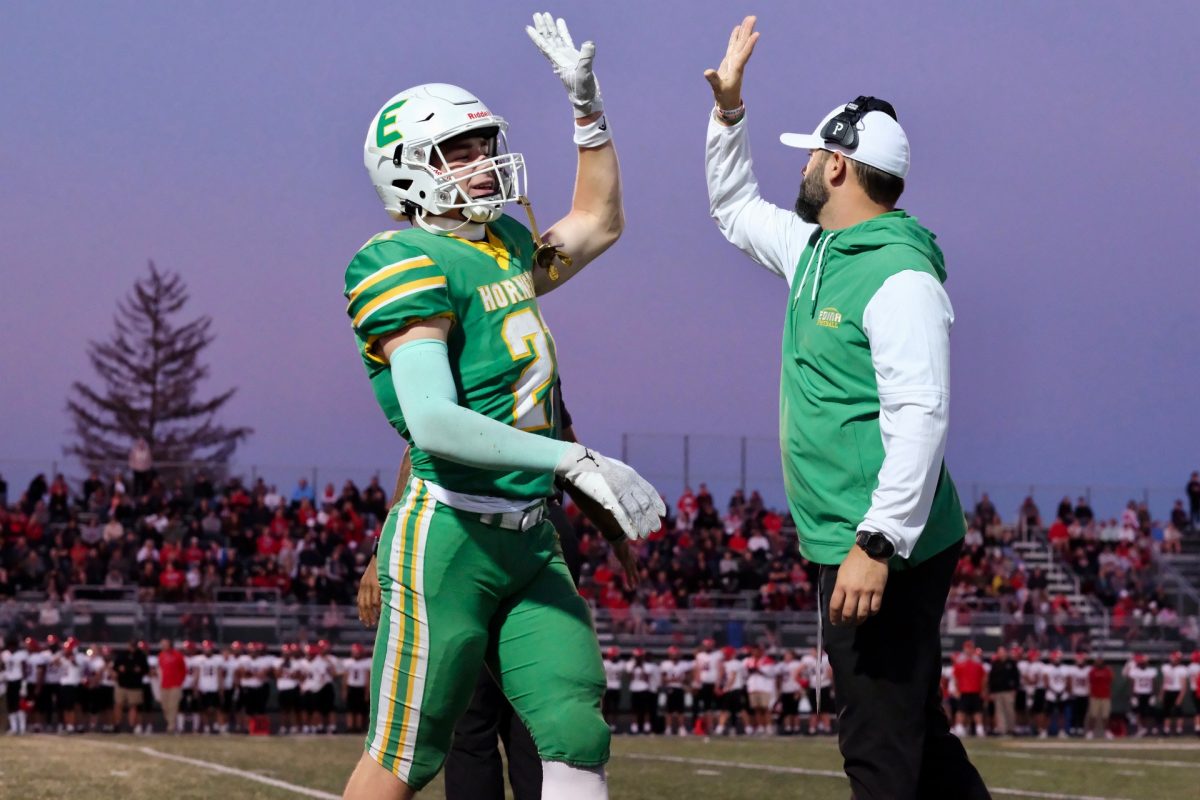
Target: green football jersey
{"x": 501, "y": 352}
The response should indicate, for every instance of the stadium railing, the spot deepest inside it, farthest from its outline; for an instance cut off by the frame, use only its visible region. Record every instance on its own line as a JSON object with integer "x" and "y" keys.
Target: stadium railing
{"x": 98, "y": 615}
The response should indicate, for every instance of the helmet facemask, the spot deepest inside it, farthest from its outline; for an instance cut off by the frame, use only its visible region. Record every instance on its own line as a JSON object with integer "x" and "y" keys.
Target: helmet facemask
{"x": 446, "y": 191}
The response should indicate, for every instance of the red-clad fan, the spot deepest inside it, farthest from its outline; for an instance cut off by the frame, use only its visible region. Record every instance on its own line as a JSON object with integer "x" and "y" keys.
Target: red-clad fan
{"x": 969, "y": 676}
{"x": 1099, "y": 699}
{"x": 171, "y": 668}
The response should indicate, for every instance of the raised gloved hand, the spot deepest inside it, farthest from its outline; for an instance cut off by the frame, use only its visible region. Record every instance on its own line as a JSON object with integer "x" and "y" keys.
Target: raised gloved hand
{"x": 573, "y": 67}
{"x": 627, "y": 496}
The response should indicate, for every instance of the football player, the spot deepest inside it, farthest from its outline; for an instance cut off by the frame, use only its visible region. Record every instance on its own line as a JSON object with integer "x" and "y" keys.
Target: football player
{"x": 461, "y": 362}
{"x": 358, "y": 675}
{"x": 677, "y": 675}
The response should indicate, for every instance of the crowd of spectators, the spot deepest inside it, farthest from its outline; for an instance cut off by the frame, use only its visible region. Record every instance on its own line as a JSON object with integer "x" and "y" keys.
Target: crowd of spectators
{"x": 182, "y": 540}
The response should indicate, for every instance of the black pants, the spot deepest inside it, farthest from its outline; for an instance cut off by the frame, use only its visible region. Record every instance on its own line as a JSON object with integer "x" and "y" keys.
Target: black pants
{"x": 894, "y": 737}
{"x": 473, "y": 767}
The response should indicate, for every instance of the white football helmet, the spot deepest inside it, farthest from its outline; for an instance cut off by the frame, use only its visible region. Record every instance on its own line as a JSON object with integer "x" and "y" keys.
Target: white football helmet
{"x": 403, "y": 155}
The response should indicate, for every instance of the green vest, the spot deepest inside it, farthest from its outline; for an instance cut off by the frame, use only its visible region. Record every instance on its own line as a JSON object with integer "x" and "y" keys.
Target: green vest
{"x": 828, "y": 399}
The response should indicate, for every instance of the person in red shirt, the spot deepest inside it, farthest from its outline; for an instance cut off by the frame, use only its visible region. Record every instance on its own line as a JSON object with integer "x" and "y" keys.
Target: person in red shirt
{"x": 969, "y": 676}
{"x": 171, "y": 582}
{"x": 1100, "y": 681}
{"x": 172, "y": 669}
{"x": 267, "y": 544}
{"x": 1059, "y": 536}
{"x": 194, "y": 554}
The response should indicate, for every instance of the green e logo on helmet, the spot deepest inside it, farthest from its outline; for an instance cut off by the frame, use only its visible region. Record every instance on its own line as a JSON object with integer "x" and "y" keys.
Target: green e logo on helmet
{"x": 387, "y": 131}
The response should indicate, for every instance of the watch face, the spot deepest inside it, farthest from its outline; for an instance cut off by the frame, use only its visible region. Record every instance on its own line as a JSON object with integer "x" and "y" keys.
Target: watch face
{"x": 876, "y": 545}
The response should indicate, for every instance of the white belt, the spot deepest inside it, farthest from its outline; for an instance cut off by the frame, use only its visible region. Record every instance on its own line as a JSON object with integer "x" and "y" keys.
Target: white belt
{"x": 503, "y": 512}
{"x": 516, "y": 520}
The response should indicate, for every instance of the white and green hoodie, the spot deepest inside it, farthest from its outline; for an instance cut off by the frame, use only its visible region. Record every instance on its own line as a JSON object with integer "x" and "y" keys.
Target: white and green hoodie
{"x": 864, "y": 394}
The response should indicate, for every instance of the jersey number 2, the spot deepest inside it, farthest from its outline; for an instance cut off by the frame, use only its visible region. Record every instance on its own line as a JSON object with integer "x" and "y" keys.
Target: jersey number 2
{"x": 526, "y": 335}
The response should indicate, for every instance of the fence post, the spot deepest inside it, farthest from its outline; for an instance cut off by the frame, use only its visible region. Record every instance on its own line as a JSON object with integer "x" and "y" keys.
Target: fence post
{"x": 743, "y": 470}
{"x": 686, "y": 461}
{"x": 625, "y": 447}
{"x": 314, "y": 487}
{"x": 1146, "y": 497}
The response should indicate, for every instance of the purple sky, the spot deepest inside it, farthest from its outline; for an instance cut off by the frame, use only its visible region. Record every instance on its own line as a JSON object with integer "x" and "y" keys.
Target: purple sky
{"x": 1053, "y": 154}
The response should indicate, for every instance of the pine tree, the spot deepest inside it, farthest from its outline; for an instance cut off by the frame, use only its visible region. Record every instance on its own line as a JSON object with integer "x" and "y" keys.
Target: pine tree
{"x": 150, "y": 373}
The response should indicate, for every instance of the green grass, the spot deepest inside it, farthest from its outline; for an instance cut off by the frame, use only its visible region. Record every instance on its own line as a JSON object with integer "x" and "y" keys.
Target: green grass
{"x": 115, "y": 768}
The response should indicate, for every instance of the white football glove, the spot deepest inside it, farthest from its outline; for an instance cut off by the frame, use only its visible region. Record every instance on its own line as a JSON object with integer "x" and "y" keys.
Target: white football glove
{"x": 573, "y": 67}
{"x": 631, "y": 500}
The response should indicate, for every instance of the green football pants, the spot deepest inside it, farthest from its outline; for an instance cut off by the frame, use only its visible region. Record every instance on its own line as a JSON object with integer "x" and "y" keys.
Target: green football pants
{"x": 457, "y": 593}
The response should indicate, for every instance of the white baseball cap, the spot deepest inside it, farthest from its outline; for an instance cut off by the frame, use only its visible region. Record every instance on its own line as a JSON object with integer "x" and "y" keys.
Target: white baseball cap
{"x": 882, "y": 143}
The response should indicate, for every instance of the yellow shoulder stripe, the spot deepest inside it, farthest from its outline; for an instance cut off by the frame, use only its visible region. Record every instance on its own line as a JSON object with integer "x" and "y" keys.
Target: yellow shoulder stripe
{"x": 398, "y": 293}
{"x": 384, "y": 273}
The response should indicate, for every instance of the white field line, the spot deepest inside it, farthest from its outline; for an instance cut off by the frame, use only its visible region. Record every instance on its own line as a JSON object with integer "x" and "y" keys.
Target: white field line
{"x": 825, "y": 773}
{"x": 1019, "y": 745}
{"x": 215, "y": 767}
{"x": 1145, "y": 762}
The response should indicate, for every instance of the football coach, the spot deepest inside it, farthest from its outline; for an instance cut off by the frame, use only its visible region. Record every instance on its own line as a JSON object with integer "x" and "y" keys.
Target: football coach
{"x": 864, "y": 409}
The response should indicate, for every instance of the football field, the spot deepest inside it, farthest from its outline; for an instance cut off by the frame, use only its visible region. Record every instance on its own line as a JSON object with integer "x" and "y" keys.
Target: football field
{"x": 643, "y": 768}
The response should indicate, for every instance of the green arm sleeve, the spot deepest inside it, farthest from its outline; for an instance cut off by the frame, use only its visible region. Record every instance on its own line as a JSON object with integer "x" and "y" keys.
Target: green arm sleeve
{"x": 441, "y": 427}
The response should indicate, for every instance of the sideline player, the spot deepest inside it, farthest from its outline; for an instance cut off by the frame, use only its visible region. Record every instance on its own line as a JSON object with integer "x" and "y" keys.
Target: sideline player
{"x": 357, "y": 669}
{"x": 14, "y": 659}
{"x": 208, "y": 686}
{"x": 614, "y": 679}
{"x": 708, "y": 674}
{"x": 189, "y": 704}
{"x": 819, "y": 686}
{"x": 734, "y": 703}
{"x": 1173, "y": 693}
{"x": 677, "y": 675}
{"x": 462, "y": 364}
{"x": 287, "y": 682}
{"x": 1142, "y": 676}
{"x": 644, "y": 678}
{"x": 1194, "y": 682}
{"x": 789, "y": 671}
{"x": 762, "y": 687}
{"x": 1081, "y": 690}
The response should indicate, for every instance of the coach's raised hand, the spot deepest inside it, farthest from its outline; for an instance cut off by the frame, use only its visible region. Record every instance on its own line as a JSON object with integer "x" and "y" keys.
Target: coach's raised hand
{"x": 726, "y": 80}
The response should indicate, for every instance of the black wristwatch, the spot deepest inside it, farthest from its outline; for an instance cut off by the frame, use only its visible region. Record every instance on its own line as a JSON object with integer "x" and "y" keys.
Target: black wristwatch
{"x": 876, "y": 545}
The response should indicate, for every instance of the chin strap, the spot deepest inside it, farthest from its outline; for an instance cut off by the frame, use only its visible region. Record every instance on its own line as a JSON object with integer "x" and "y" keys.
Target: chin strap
{"x": 546, "y": 254}
{"x": 419, "y": 217}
